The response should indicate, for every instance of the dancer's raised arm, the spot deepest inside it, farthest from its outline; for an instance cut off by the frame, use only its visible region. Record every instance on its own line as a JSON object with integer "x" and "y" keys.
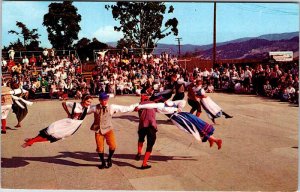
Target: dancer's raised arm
{"x": 122, "y": 108}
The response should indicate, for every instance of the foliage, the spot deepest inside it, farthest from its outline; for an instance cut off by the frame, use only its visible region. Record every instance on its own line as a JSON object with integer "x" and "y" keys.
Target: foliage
{"x": 85, "y": 47}
{"x": 26, "y": 34}
{"x": 141, "y": 23}
{"x": 62, "y": 22}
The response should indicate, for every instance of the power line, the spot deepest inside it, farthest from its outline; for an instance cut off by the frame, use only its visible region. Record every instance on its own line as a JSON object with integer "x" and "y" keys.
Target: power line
{"x": 252, "y": 9}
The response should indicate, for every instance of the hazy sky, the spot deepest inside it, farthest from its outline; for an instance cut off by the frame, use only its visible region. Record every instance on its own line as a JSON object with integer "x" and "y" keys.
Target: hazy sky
{"x": 234, "y": 20}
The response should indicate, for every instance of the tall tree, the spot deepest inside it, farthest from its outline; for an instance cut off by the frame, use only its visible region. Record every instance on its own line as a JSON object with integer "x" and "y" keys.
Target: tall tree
{"x": 85, "y": 47}
{"x": 26, "y": 34}
{"x": 62, "y": 22}
{"x": 141, "y": 22}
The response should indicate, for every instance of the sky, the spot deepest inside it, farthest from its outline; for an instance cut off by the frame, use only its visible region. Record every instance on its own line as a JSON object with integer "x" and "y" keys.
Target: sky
{"x": 234, "y": 20}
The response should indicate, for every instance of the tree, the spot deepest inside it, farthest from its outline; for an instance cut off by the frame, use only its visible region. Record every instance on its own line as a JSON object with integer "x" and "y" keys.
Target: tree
{"x": 18, "y": 46}
{"x": 62, "y": 22}
{"x": 26, "y": 34}
{"x": 85, "y": 47}
{"x": 141, "y": 22}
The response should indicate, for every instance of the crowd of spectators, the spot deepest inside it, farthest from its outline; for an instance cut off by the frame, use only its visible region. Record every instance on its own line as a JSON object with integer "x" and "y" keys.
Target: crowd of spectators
{"x": 134, "y": 76}
{"x": 47, "y": 75}
{"x": 278, "y": 81}
{"x": 60, "y": 76}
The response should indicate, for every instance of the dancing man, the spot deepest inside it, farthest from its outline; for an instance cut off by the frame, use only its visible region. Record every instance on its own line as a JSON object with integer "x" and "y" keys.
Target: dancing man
{"x": 185, "y": 121}
{"x": 103, "y": 127}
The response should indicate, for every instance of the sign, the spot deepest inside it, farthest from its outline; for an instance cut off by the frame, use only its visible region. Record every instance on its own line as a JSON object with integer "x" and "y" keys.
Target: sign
{"x": 282, "y": 55}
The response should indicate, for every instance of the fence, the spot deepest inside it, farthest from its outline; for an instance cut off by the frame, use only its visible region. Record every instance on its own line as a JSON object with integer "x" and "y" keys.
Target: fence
{"x": 61, "y": 53}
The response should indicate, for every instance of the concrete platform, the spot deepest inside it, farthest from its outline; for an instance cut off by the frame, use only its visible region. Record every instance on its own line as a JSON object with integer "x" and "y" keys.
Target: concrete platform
{"x": 260, "y": 151}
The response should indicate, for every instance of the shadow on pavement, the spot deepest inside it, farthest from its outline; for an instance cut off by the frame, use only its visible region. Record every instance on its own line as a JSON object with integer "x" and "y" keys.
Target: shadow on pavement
{"x": 128, "y": 117}
{"x": 136, "y": 119}
{"x": 16, "y": 162}
{"x": 154, "y": 157}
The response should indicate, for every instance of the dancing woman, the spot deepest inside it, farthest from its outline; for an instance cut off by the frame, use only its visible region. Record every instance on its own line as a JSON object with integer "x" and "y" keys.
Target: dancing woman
{"x": 8, "y": 101}
{"x": 185, "y": 121}
{"x": 19, "y": 106}
{"x": 211, "y": 108}
{"x": 65, "y": 127}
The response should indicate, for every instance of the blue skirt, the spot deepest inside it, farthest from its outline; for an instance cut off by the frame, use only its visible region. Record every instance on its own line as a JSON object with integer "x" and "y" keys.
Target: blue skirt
{"x": 193, "y": 125}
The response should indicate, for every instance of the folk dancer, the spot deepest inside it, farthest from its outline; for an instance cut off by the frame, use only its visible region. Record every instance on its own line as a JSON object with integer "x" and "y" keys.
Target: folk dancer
{"x": 66, "y": 127}
{"x": 103, "y": 127}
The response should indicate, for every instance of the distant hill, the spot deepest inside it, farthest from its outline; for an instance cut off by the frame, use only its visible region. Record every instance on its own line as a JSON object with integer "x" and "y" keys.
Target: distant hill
{"x": 247, "y": 47}
{"x": 251, "y": 49}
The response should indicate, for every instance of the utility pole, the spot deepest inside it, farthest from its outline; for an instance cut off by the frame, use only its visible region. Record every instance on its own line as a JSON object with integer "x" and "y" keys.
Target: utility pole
{"x": 214, "y": 35}
{"x": 179, "y": 39}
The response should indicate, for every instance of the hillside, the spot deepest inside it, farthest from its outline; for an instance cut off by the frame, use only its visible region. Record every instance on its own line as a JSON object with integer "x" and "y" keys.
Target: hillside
{"x": 247, "y": 47}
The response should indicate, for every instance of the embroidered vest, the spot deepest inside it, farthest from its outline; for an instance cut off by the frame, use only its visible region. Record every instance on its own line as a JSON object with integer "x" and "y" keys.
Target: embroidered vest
{"x": 102, "y": 120}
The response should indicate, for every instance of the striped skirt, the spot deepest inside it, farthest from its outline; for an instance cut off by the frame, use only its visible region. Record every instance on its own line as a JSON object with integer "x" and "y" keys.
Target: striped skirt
{"x": 192, "y": 124}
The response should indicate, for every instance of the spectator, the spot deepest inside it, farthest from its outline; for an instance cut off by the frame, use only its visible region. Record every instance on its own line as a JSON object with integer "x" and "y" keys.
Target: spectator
{"x": 11, "y": 53}
{"x": 45, "y": 54}
{"x": 247, "y": 79}
{"x": 210, "y": 88}
{"x": 268, "y": 89}
{"x": 4, "y": 65}
{"x": 32, "y": 60}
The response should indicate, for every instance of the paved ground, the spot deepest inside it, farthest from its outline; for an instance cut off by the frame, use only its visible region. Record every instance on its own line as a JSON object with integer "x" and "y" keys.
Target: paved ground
{"x": 260, "y": 152}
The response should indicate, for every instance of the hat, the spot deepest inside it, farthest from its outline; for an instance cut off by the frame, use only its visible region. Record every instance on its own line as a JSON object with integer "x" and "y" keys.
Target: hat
{"x": 103, "y": 96}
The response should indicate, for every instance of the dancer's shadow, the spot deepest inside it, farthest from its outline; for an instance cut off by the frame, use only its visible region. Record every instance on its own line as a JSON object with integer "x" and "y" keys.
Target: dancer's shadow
{"x": 128, "y": 117}
{"x": 9, "y": 128}
{"x": 164, "y": 121}
{"x": 155, "y": 157}
{"x": 60, "y": 159}
{"x": 137, "y": 119}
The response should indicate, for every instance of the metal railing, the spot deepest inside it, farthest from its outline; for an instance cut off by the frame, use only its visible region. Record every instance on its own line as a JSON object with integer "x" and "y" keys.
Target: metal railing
{"x": 61, "y": 53}
{"x": 134, "y": 51}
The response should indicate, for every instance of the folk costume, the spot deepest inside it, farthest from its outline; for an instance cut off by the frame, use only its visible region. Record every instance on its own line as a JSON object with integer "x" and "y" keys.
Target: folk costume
{"x": 193, "y": 100}
{"x": 19, "y": 107}
{"x": 148, "y": 126}
{"x": 211, "y": 108}
{"x": 63, "y": 128}
{"x": 185, "y": 121}
{"x": 103, "y": 127}
{"x": 8, "y": 101}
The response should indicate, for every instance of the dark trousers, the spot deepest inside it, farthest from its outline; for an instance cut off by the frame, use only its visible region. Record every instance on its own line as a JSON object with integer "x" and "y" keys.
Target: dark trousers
{"x": 150, "y": 132}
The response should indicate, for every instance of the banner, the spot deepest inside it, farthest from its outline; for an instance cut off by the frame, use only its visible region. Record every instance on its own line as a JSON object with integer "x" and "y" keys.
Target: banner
{"x": 282, "y": 55}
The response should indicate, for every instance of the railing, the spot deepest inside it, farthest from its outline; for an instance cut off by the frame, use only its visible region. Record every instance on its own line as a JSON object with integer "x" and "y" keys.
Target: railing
{"x": 20, "y": 54}
{"x": 134, "y": 51}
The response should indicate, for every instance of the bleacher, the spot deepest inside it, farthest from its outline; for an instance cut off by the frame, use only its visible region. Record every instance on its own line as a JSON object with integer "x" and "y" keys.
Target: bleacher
{"x": 18, "y": 59}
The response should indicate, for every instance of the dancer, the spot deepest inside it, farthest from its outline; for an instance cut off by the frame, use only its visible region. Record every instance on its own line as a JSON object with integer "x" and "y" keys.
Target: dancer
{"x": 8, "y": 100}
{"x": 6, "y": 103}
{"x": 65, "y": 127}
{"x": 103, "y": 128}
{"x": 193, "y": 98}
{"x": 211, "y": 108}
{"x": 20, "y": 111}
{"x": 147, "y": 127}
{"x": 185, "y": 121}
{"x": 177, "y": 86}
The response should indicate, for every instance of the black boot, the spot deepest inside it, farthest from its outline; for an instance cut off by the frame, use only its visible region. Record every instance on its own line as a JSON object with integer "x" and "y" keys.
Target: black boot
{"x": 213, "y": 120}
{"x": 109, "y": 162}
{"x": 226, "y": 115}
{"x": 103, "y": 165}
